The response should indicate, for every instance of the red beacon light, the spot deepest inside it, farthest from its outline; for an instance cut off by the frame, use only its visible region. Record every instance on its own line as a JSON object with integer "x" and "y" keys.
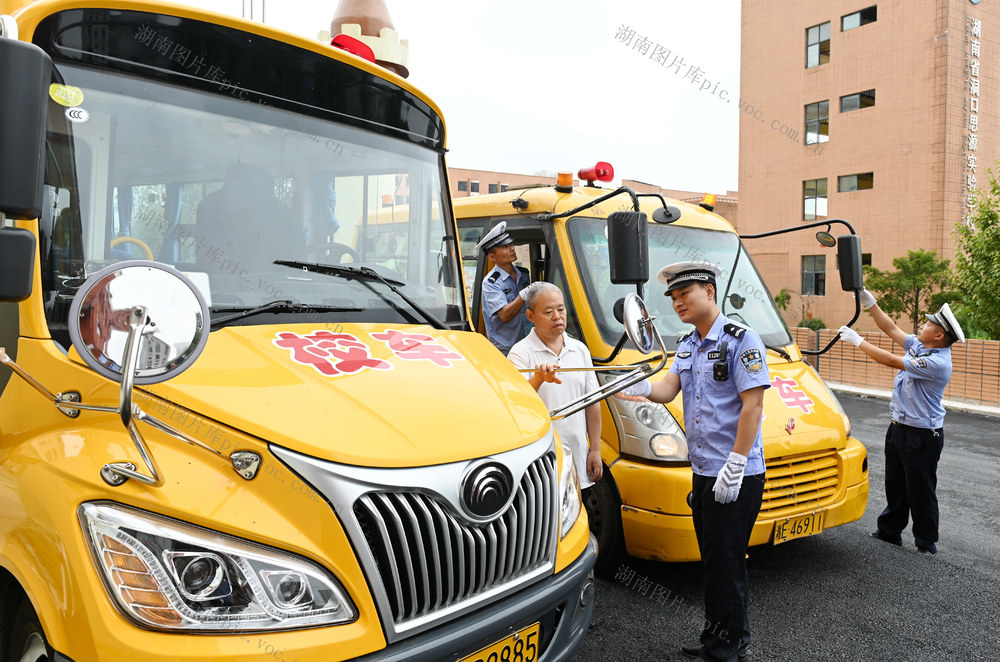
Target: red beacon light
{"x": 354, "y": 46}
{"x": 601, "y": 172}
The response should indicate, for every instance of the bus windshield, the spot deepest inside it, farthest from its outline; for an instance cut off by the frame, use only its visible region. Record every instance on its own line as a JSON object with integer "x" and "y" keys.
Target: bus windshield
{"x": 220, "y": 188}
{"x": 742, "y": 295}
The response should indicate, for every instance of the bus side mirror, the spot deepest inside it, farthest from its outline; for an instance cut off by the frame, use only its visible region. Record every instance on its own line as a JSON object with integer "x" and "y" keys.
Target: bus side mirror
{"x": 628, "y": 247}
{"x": 17, "y": 263}
{"x": 25, "y": 72}
{"x": 849, "y": 262}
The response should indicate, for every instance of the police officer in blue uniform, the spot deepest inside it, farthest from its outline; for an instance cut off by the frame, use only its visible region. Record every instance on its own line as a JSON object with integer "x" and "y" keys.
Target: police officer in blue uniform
{"x": 915, "y": 438}
{"x": 721, "y": 370}
{"x": 503, "y": 307}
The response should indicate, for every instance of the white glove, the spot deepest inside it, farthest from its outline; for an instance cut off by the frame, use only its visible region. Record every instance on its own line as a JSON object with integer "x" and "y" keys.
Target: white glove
{"x": 867, "y": 299}
{"x": 640, "y": 389}
{"x": 847, "y": 334}
{"x": 730, "y": 479}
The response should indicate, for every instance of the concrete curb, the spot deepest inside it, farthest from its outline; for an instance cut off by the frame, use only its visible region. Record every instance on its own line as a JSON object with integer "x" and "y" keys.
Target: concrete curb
{"x": 950, "y": 405}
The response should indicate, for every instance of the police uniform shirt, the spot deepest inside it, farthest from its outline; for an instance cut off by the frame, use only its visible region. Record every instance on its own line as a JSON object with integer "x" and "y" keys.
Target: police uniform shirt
{"x": 711, "y": 407}
{"x": 572, "y": 430}
{"x": 499, "y": 289}
{"x": 919, "y": 387}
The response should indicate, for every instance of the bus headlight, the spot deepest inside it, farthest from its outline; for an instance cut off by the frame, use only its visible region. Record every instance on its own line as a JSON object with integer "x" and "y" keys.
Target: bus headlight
{"x": 569, "y": 487}
{"x": 169, "y": 575}
{"x": 647, "y": 429}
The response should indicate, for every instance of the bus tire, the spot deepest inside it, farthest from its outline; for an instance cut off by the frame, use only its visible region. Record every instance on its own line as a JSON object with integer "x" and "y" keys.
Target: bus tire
{"x": 604, "y": 511}
{"x": 27, "y": 639}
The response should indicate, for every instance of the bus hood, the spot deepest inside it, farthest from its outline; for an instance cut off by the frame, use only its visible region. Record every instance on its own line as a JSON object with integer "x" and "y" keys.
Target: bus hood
{"x": 363, "y": 394}
{"x": 800, "y": 413}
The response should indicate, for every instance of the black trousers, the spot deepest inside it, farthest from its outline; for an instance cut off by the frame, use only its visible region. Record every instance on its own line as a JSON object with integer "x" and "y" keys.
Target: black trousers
{"x": 723, "y": 532}
{"x": 911, "y": 459}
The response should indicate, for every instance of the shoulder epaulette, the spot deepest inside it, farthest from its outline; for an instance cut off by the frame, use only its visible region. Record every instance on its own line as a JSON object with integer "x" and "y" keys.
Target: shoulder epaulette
{"x": 522, "y": 269}
{"x": 493, "y": 276}
{"x": 735, "y": 330}
{"x": 684, "y": 337}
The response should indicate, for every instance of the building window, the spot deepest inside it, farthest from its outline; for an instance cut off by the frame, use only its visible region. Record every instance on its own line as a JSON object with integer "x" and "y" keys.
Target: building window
{"x": 475, "y": 186}
{"x": 857, "y": 101}
{"x": 859, "y": 182}
{"x": 858, "y": 18}
{"x": 813, "y": 199}
{"x": 494, "y": 188}
{"x": 463, "y": 185}
{"x": 817, "y": 122}
{"x": 818, "y": 45}
{"x": 503, "y": 187}
{"x": 814, "y": 274}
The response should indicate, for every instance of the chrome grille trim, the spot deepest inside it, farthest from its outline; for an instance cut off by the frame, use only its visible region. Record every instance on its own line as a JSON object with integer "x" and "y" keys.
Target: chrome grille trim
{"x": 426, "y": 559}
{"x": 408, "y": 547}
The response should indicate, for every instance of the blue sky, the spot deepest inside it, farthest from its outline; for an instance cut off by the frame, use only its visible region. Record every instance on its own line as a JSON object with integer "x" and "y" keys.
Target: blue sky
{"x": 529, "y": 85}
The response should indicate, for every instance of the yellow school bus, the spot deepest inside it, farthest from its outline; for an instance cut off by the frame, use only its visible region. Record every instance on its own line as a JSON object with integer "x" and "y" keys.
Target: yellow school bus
{"x": 817, "y": 473}
{"x": 236, "y": 422}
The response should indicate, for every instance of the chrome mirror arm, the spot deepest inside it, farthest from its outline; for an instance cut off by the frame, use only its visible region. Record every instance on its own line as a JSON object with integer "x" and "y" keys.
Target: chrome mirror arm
{"x": 612, "y": 387}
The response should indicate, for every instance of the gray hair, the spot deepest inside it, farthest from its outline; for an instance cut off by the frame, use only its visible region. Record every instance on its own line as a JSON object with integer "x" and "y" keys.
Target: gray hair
{"x": 535, "y": 290}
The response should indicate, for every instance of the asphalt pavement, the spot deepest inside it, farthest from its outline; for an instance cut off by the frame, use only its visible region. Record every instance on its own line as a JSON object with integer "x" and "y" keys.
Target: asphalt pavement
{"x": 842, "y": 595}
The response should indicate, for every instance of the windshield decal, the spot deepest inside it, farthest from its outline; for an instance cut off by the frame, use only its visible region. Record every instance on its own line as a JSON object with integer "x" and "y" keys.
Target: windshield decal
{"x": 331, "y": 354}
{"x": 66, "y": 95}
{"x": 792, "y": 394}
{"x": 417, "y": 347}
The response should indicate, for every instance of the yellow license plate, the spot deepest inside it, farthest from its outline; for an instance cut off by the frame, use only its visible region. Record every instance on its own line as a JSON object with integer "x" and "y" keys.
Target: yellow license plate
{"x": 522, "y": 646}
{"x": 798, "y": 527}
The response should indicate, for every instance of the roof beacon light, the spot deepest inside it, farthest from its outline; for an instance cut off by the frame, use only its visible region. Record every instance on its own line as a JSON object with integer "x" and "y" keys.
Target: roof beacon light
{"x": 601, "y": 171}
{"x": 708, "y": 201}
{"x": 354, "y": 46}
{"x": 564, "y": 182}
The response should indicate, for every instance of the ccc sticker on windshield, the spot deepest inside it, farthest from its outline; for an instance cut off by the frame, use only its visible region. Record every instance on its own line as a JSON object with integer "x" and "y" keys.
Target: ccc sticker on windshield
{"x": 77, "y": 115}
{"x": 66, "y": 95}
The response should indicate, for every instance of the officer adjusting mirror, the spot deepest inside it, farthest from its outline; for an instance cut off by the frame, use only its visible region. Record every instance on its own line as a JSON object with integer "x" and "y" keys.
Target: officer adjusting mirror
{"x": 173, "y": 336}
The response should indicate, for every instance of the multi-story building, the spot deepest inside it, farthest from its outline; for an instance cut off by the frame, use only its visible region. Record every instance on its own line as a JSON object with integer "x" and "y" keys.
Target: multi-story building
{"x": 880, "y": 113}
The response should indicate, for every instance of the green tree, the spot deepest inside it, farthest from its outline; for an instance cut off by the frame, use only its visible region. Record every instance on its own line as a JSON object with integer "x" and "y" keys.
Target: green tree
{"x": 917, "y": 286}
{"x": 977, "y": 264}
{"x": 782, "y": 299}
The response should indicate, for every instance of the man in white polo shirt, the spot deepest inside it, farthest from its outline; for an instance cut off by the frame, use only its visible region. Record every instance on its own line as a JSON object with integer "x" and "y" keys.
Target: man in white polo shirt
{"x": 547, "y": 347}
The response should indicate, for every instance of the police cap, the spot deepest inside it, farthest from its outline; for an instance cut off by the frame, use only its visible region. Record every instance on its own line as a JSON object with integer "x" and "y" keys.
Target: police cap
{"x": 680, "y": 274}
{"x": 947, "y": 321}
{"x": 496, "y": 237}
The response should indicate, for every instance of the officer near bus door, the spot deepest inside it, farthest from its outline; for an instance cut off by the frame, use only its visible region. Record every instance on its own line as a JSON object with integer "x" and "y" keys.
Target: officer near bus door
{"x": 721, "y": 370}
{"x": 503, "y": 307}
{"x": 915, "y": 438}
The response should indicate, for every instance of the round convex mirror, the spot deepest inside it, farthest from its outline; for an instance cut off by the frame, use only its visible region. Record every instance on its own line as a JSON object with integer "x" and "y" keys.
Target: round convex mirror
{"x": 177, "y": 312}
{"x": 638, "y": 325}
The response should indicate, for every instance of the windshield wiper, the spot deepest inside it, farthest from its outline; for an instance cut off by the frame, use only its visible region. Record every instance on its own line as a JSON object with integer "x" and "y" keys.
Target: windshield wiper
{"x": 279, "y": 306}
{"x": 781, "y": 352}
{"x": 364, "y": 274}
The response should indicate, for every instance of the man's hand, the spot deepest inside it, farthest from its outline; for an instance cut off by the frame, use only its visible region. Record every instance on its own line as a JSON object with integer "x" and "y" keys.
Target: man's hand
{"x": 847, "y": 334}
{"x": 547, "y": 373}
{"x": 730, "y": 479}
{"x": 594, "y": 467}
{"x": 867, "y": 299}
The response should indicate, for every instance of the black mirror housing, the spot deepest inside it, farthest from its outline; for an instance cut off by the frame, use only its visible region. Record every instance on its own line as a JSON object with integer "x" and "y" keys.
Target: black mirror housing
{"x": 628, "y": 247}
{"x": 849, "y": 262}
{"x": 17, "y": 263}
{"x": 25, "y": 73}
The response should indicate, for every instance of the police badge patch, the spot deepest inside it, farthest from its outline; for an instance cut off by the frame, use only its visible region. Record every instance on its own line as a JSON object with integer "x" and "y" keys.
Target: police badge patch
{"x": 752, "y": 360}
{"x": 919, "y": 363}
{"x": 683, "y": 355}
